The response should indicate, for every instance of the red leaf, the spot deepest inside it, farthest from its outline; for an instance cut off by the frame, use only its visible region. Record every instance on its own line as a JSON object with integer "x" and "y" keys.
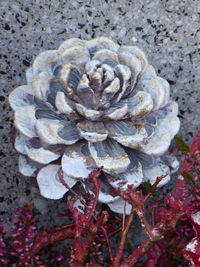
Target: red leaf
{"x": 195, "y": 220}
{"x": 153, "y": 256}
{"x": 192, "y": 252}
{"x": 181, "y": 185}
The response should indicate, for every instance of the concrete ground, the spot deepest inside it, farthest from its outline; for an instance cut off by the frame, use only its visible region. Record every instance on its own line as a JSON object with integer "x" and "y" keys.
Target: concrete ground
{"x": 167, "y": 31}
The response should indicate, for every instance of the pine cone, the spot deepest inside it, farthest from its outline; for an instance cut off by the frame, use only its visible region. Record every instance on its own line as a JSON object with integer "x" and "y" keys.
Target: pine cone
{"x": 91, "y": 104}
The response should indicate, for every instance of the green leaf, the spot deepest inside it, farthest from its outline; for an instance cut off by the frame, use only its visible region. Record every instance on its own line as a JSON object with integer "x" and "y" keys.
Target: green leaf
{"x": 148, "y": 187}
{"x": 187, "y": 177}
{"x": 129, "y": 247}
{"x": 184, "y": 148}
{"x": 155, "y": 195}
{"x": 178, "y": 257}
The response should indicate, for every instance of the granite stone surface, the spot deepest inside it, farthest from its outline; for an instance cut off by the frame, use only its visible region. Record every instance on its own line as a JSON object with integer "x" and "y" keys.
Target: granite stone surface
{"x": 167, "y": 31}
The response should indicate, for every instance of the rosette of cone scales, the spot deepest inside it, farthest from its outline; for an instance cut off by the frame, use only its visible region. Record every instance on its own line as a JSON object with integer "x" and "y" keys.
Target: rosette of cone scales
{"x": 90, "y": 104}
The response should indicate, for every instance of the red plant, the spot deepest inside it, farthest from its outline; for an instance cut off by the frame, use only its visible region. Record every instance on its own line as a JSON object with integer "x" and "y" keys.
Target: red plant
{"x": 173, "y": 233}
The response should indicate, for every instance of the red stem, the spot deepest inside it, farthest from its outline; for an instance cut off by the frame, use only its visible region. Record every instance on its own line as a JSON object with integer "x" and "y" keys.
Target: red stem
{"x": 60, "y": 233}
{"x": 137, "y": 254}
{"x": 44, "y": 239}
{"x": 78, "y": 228}
{"x": 139, "y": 205}
{"x": 81, "y": 252}
{"x": 94, "y": 176}
{"x": 118, "y": 255}
{"x": 108, "y": 243}
{"x": 73, "y": 192}
{"x": 161, "y": 229}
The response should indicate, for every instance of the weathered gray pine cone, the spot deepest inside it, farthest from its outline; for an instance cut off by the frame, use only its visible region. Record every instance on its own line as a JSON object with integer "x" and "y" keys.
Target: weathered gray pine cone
{"x": 91, "y": 104}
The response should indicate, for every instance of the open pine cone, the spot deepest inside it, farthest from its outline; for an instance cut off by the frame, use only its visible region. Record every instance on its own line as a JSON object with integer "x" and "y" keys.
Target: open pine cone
{"x": 91, "y": 104}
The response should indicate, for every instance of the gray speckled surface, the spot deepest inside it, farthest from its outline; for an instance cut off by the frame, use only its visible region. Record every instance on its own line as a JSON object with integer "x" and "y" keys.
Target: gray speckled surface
{"x": 167, "y": 31}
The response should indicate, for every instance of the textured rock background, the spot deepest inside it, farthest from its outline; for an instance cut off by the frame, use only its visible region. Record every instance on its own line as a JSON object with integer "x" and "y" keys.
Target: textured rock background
{"x": 167, "y": 31}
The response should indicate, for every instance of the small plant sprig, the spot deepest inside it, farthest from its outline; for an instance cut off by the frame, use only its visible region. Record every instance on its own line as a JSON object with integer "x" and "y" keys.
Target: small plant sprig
{"x": 16, "y": 244}
{"x": 15, "y": 247}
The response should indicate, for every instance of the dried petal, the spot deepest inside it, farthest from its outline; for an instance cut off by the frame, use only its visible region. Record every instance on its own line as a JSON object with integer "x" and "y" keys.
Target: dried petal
{"x": 91, "y": 67}
{"x": 20, "y": 97}
{"x": 116, "y": 112}
{"x": 170, "y": 121}
{"x": 43, "y": 61}
{"x": 155, "y": 88}
{"x": 77, "y": 162}
{"x": 89, "y": 114}
{"x": 49, "y": 183}
{"x": 42, "y": 113}
{"x": 171, "y": 161}
{"x": 64, "y": 74}
{"x": 166, "y": 89}
{"x": 106, "y": 56}
{"x": 156, "y": 171}
{"x": 41, "y": 85}
{"x": 110, "y": 155}
{"x": 20, "y": 143}
{"x": 119, "y": 205}
{"x": 25, "y": 121}
{"x": 133, "y": 63}
{"x": 124, "y": 73}
{"x": 106, "y": 192}
{"x": 108, "y": 75}
{"x": 29, "y": 76}
{"x": 126, "y": 133}
{"x": 112, "y": 88}
{"x": 57, "y": 132}
{"x": 140, "y": 104}
{"x": 70, "y": 43}
{"x": 64, "y": 104}
{"x": 134, "y": 177}
{"x": 92, "y": 131}
{"x": 156, "y": 144}
{"x": 148, "y": 74}
{"x": 143, "y": 158}
{"x": 137, "y": 52}
{"x": 72, "y": 55}
{"x": 27, "y": 167}
{"x": 41, "y": 155}
{"x": 101, "y": 43}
